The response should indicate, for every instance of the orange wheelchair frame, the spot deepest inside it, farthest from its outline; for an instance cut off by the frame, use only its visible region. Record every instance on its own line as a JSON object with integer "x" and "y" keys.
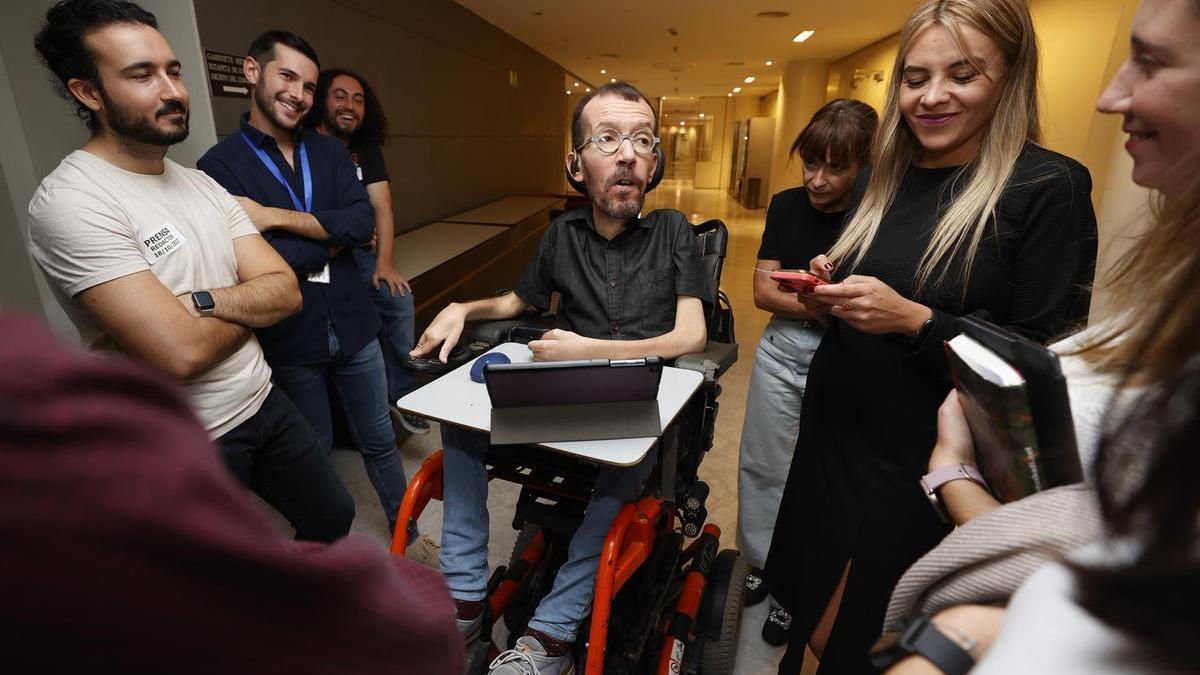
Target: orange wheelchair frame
{"x": 630, "y": 541}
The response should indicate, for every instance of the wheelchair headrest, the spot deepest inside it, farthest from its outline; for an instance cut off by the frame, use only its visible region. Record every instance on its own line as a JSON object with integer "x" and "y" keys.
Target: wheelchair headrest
{"x": 655, "y": 179}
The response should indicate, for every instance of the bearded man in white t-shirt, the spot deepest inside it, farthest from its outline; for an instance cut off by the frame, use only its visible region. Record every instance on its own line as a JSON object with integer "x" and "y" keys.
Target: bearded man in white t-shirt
{"x": 159, "y": 262}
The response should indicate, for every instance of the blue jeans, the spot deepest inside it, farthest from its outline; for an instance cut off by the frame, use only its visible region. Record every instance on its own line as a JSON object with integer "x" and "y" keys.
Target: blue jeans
{"x": 362, "y": 387}
{"x": 770, "y": 429}
{"x": 278, "y": 455}
{"x": 465, "y": 531}
{"x": 398, "y": 315}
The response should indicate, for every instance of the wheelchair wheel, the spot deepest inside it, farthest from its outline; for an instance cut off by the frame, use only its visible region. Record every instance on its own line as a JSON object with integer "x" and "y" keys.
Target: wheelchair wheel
{"x": 724, "y": 615}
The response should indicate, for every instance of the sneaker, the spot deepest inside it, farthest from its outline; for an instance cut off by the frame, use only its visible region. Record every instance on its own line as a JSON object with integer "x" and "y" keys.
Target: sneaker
{"x": 425, "y": 551}
{"x": 777, "y": 626}
{"x": 414, "y": 425}
{"x": 529, "y": 657}
{"x": 756, "y": 587}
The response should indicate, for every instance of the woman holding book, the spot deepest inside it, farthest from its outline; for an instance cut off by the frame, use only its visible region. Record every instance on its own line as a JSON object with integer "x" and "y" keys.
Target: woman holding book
{"x": 961, "y": 213}
{"x": 1132, "y": 601}
{"x": 801, "y": 222}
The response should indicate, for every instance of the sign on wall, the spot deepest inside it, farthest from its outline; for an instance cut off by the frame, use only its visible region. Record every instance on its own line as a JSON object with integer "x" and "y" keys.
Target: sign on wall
{"x": 225, "y": 77}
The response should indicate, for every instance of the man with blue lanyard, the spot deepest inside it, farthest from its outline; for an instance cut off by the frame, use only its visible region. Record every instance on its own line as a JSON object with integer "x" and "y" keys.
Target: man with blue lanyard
{"x": 301, "y": 191}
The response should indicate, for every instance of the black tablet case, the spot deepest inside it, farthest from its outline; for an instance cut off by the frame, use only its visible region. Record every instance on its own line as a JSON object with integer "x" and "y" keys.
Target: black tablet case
{"x": 552, "y": 402}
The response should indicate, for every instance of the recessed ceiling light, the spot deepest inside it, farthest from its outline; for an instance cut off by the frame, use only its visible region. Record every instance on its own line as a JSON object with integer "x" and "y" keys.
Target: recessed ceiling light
{"x": 776, "y": 14}
{"x": 729, "y": 95}
{"x": 587, "y": 89}
{"x": 612, "y": 79}
{"x": 603, "y": 71}
{"x": 568, "y": 91}
{"x": 701, "y": 115}
{"x": 682, "y": 123}
{"x": 737, "y": 90}
{"x": 748, "y": 80}
{"x": 770, "y": 63}
{"x": 803, "y": 35}
{"x": 575, "y": 85}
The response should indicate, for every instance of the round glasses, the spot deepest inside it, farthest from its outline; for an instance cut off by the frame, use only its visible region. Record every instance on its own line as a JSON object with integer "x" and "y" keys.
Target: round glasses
{"x": 608, "y": 141}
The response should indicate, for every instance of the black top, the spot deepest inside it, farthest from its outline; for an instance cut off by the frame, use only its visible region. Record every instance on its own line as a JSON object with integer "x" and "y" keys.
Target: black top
{"x": 623, "y": 289}
{"x": 340, "y": 204}
{"x": 869, "y": 417}
{"x": 796, "y": 232}
{"x": 368, "y": 159}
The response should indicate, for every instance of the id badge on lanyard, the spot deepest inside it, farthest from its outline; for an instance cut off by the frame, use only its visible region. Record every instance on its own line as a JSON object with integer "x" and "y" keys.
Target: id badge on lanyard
{"x": 321, "y": 277}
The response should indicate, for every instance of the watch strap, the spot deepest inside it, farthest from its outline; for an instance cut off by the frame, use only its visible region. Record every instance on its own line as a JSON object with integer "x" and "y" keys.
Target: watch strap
{"x": 923, "y": 637}
{"x": 951, "y": 472}
{"x": 924, "y": 329}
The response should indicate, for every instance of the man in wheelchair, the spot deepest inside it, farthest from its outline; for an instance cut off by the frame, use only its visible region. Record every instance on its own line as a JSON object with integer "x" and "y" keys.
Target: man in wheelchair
{"x": 630, "y": 287}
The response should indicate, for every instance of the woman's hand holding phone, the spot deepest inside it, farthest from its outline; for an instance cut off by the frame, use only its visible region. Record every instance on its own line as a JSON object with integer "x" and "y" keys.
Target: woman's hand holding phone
{"x": 866, "y": 303}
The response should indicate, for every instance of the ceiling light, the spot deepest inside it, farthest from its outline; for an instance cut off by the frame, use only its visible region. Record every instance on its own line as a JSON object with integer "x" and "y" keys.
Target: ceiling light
{"x": 701, "y": 115}
{"x": 568, "y": 91}
{"x": 770, "y": 63}
{"x": 603, "y": 71}
{"x": 682, "y": 123}
{"x": 729, "y": 95}
{"x": 612, "y": 79}
{"x": 575, "y": 85}
{"x": 804, "y": 35}
{"x": 737, "y": 90}
{"x": 748, "y": 80}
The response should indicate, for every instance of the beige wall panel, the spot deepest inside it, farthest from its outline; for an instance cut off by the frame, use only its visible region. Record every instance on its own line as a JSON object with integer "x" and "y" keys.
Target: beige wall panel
{"x": 878, "y": 57}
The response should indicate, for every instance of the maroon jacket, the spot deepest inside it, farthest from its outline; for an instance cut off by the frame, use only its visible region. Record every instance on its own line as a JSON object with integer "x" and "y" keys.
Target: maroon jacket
{"x": 125, "y": 546}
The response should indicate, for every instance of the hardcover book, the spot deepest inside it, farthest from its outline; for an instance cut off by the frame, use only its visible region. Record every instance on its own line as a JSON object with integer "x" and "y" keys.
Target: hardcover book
{"x": 1015, "y": 400}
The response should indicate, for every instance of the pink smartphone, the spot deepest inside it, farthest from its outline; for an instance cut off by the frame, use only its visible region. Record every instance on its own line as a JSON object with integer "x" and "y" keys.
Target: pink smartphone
{"x": 797, "y": 281}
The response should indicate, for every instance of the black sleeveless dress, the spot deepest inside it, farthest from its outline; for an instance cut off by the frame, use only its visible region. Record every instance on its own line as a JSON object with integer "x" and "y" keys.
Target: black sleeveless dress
{"x": 869, "y": 417}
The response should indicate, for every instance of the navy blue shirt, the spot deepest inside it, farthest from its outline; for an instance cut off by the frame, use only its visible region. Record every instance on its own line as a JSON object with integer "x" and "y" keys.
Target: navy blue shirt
{"x": 340, "y": 204}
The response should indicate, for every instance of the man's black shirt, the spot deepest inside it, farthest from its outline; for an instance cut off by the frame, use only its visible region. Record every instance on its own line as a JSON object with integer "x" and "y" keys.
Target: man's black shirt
{"x": 623, "y": 289}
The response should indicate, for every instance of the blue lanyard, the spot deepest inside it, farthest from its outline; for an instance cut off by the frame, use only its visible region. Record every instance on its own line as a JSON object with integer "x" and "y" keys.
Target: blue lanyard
{"x": 304, "y": 173}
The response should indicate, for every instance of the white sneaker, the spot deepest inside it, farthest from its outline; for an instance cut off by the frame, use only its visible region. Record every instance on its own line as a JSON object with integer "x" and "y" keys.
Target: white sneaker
{"x": 425, "y": 551}
{"x": 529, "y": 658}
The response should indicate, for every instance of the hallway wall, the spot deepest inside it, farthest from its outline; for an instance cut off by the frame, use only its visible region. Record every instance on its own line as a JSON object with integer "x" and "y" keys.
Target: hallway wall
{"x": 460, "y": 133}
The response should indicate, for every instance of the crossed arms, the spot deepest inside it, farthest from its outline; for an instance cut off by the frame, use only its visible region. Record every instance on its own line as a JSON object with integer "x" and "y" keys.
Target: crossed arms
{"x": 147, "y": 321}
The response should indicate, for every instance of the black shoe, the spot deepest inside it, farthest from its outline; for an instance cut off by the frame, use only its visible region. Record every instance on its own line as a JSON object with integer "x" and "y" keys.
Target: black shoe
{"x": 777, "y": 626}
{"x": 756, "y": 587}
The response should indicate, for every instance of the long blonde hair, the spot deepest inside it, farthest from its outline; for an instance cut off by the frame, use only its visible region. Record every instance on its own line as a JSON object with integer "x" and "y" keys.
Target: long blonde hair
{"x": 1152, "y": 325}
{"x": 1015, "y": 121}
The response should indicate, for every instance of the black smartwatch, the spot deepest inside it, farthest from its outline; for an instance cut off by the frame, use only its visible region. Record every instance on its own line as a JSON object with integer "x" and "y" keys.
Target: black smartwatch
{"x": 921, "y": 637}
{"x": 203, "y": 301}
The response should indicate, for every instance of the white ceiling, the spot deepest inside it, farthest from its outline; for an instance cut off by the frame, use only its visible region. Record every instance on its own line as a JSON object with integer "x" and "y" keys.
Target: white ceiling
{"x": 633, "y": 39}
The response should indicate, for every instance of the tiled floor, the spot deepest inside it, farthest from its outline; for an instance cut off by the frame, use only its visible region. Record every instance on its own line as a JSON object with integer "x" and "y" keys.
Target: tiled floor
{"x": 720, "y": 467}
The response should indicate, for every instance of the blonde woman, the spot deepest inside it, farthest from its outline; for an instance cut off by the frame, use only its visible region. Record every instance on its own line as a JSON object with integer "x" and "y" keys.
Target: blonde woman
{"x": 963, "y": 213}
